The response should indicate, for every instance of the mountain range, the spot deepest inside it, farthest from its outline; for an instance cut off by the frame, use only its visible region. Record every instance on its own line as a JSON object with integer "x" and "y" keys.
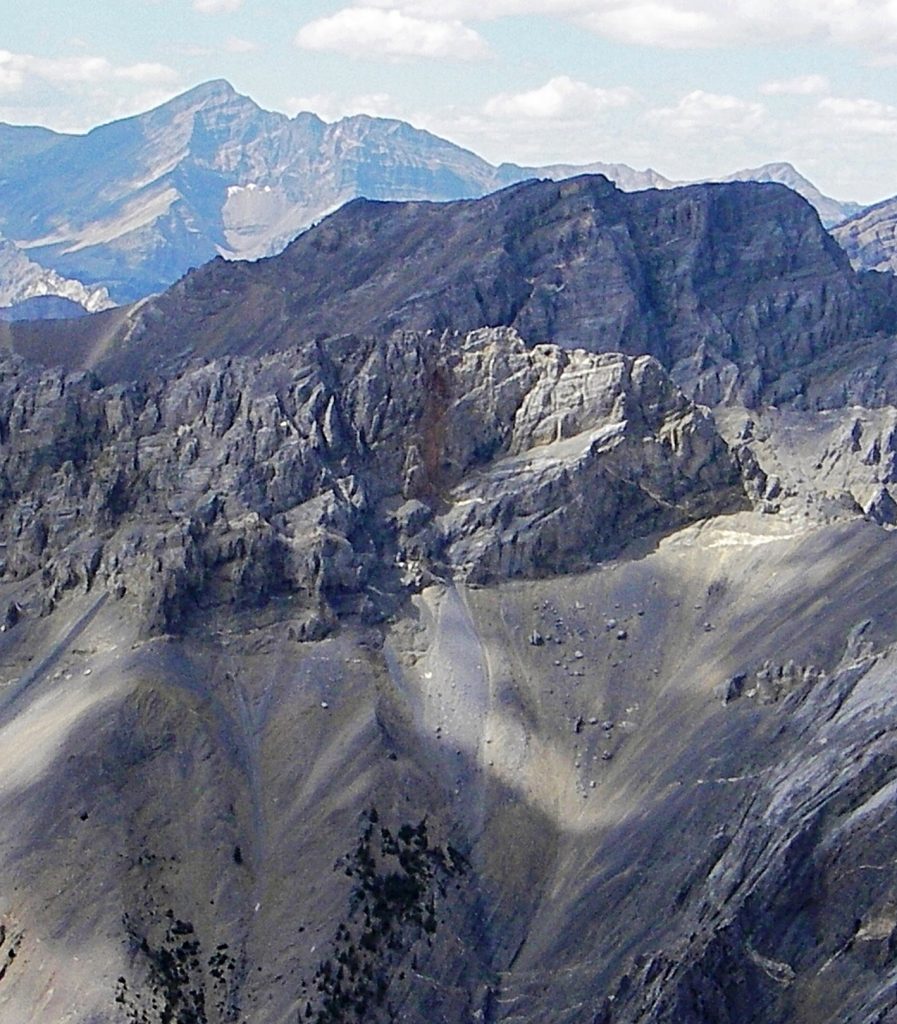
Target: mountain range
{"x": 578, "y": 263}
{"x": 478, "y": 611}
{"x": 132, "y": 205}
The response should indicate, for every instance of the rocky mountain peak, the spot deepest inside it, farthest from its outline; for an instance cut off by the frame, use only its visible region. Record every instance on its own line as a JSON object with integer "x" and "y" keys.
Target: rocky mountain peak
{"x": 217, "y": 92}
{"x": 831, "y": 211}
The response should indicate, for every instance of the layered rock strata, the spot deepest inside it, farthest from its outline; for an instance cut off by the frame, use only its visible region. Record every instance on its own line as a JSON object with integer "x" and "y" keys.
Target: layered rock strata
{"x": 341, "y": 467}
{"x": 736, "y": 289}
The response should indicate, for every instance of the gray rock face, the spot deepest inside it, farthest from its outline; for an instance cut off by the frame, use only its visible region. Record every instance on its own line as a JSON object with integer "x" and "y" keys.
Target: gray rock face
{"x": 572, "y": 482}
{"x": 736, "y": 288}
{"x": 829, "y": 464}
{"x": 342, "y": 466}
{"x": 870, "y": 237}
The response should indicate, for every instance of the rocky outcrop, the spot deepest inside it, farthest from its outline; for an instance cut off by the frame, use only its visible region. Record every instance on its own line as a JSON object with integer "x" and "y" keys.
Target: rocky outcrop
{"x": 572, "y": 483}
{"x": 340, "y": 466}
{"x": 822, "y": 465}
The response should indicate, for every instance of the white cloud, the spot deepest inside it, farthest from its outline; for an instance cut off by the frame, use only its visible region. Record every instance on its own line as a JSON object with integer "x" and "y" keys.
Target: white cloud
{"x": 561, "y": 98}
{"x": 11, "y": 76}
{"x": 655, "y": 24}
{"x": 216, "y": 6}
{"x": 859, "y": 116}
{"x": 371, "y": 31}
{"x": 235, "y": 44}
{"x": 802, "y": 85}
{"x": 490, "y": 10}
{"x": 16, "y": 67}
{"x": 868, "y": 24}
{"x": 703, "y": 113}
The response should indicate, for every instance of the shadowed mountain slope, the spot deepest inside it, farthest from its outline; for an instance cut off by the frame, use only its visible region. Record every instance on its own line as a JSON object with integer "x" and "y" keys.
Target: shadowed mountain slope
{"x": 735, "y": 288}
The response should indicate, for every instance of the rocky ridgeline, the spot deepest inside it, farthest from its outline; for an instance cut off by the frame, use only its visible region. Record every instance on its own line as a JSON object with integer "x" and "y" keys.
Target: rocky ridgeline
{"x": 342, "y": 466}
{"x": 870, "y": 237}
{"x": 736, "y": 289}
{"x": 134, "y": 204}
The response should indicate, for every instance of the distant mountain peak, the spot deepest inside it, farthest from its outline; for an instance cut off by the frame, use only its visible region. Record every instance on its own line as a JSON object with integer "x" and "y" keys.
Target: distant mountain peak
{"x": 208, "y": 95}
{"x": 215, "y": 88}
{"x": 133, "y": 205}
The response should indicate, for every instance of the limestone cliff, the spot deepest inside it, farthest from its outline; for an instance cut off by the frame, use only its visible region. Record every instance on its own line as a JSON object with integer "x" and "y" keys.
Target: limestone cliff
{"x": 328, "y": 471}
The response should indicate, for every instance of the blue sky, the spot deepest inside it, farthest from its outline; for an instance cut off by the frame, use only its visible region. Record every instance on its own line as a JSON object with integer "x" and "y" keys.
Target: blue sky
{"x": 693, "y": 88}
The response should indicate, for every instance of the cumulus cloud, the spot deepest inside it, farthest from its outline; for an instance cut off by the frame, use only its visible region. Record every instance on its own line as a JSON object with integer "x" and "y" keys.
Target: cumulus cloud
{"x": 373, "y": 31}
{"x": 867, "y": 24}
{"x": 701, "y": 112}
{"x": 561, "y": 98}
{"x": 859, "y": 116}
{"x": 217, "y": 6}
{"x": 655, "y": 24}
{"x": 16, "y": 67}
{"x": 802, "y": 85}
